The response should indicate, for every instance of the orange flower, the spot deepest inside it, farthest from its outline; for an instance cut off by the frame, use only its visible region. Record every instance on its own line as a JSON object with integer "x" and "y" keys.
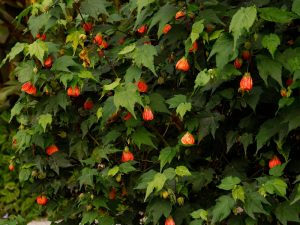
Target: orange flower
{"x": 183, "y": 65}
{"x": 51, "y": 149}
{"x": 188, "y": 139}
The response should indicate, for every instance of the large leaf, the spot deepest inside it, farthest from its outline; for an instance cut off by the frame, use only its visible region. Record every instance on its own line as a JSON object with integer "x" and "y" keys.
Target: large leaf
{"x": 254, "y": 204}
{"x": 143, "y": 3}
{"x": 63, "y": 63}
{"x": 157, "y": 183}
{"x": 296, "y": 7}
{"x": 242, "y": 21}
{"x": 94, "y": 7}
{"x": 224, "y": 50}
{"x": 222, "y": 209}
{"x": 166, "y": 155}
{"x": 285, "y": 213}
{"x": 143, "y": 55}
{"x": 228, "y": 183}
{"x": 271, "y": 42}
{"x": 197, "y": 29}
{"x": 158, "y": 208}
{"x": 87, "y": 176}
{"x": 162, "y": 17}
{"x": 268, "y": 67}
{"x": 127, "y": 96}
{"x": 276, "y": 15}
{"x": 37, "y": 49}
{"x": 142, "y": 137}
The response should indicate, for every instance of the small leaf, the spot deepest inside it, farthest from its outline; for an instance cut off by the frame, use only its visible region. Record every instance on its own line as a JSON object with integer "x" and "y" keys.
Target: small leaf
{"x": 202, "y": 79}
{"x": 166, "y": 155}
{"x": 62, "y": 64}
{"x": 143, "y": 137}
{"x": 200, "y": 214}
{"x": 127, "y": 49}
{"x": 74, "y": 38}
{"x": 238, "y": 193}
{"x": 113, "y": 171}
{"x": 112, "y": 86}
{"x": 197, "y": 29}
{"x": 176, "y": 101}
{"x": 228, "y": 183}
{"x": 44, "y": 120}
{"x": 182, "y": 171}
{"x": 85, "y": 74}
{"x": 276, "y": 185}
{"x": 268, "y": 67}
{"x": 271, "y": 42}
{"x": 37, "y": 49}
{"x": 143, "y": 3}
{"x": 277, "y": 15}
{"x": 126, "y": 168}
{"x": 183, "y": 108}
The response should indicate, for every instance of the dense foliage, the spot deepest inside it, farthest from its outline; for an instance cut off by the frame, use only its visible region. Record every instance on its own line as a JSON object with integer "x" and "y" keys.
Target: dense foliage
{"x": 155, "y": 111}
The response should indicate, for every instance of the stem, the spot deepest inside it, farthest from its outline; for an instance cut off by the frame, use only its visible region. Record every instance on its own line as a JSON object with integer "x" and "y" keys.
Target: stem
{"x": 78, "y": 9}
{"x": 111, "y": 66}
{"x": 94, "y": 139}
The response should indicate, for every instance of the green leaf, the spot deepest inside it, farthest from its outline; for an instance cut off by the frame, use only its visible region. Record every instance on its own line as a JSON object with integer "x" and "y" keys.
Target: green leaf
{"x": 126, "y": 168}
{"x": 208, "y": 123}
{"x": 182, "y": 171}
{"x": 74, "y": 38}
{"x": 17, "y": 49}
{"x": 37, "y": 49}
{"x": 44, "y": 120}
{"x": 143, "y": 55}
{"x": 285, "y": 213}
{"x": 62, "y": 63}
{"x": 296, "y": 7}
{"x": 176, "y": 101}
{"x": 296, "y": 197}
{"x": 24, "y": 174}
{"x": 126, "y": 97}
{"x": 253, "y": 204}
{"x": 157, "y": 183}
{"x": 87, "y": 176}
{"x": 108, "y": 109}
{"x": 162, "y": 17}
{"x": 166, "y": 155}
{"x": 277, "y": 171}
{"x": 276, "y": 186}
{"x": 228, "y": 183}
{"x": 85, "y": 74}
{"x": 143, "y": 3}
{"x": 113, "y": 171}
{"x": 238, "y": 193}
{"x": 202, "y": 79}
{"x": 197, "y": 29}
{"x": 158, "y": 208}
{"x": 252, "y": 98}
{"x": 183, "y": 108}
{"x": 266, "y": 131}
{"x": 271, "y": 42}
{"x": 127, "y": 49}
{"x": 222, "y": 209}
{"x": 24, "y": 71}
{"x": 89, "y": 217}
{"x": 200, "y": 214}
{"x": 224, "y": 50}
{"x": 94, "y": 7}
{"x": 246, "y": 139}
{"x": 36, "y": 23}
{"x": 112, "y": 86}
{"x": 143, "y": 137}
{"x": 133, "y": 73}
{"x": 157, "y": 103}
{"x": 268, "y": 67}
{"x": 102, "y": 152}
{"x": 242, "y": 20}
{"x": 276, "y": 15}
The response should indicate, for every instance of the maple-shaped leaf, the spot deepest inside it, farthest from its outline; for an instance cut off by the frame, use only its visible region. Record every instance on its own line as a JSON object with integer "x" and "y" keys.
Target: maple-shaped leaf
{"x": 24, "y": 71}
{"x": 157, "y": 183}
{"x": 242, "y": 21}
{"x": 142, "y": 136}
{"x": 87, "y": 176}
{"x": 74, "y": 38}
{"x": 126, "y": 96}
{"x": 166, "y": 155}
{"x": 144, "y": 56}
{"x": 37, "y": 49}
{"x": 162, "y": 17}
{"x": 94, "y": 7}
{"x": 158, "y": 208}
{"x": 36, "y": 23}
{"x": 271, "y": 42}
{"x": 222, "y": 209}
{"x": 44, "y": 120}
{"x": 254, "y": 204}
{"x": 63, "y": 63}
{"x": 285, "y": 212}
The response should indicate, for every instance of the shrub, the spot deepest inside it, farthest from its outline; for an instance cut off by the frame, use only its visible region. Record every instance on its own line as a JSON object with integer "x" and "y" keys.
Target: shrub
{"x": 146, "y": 124}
